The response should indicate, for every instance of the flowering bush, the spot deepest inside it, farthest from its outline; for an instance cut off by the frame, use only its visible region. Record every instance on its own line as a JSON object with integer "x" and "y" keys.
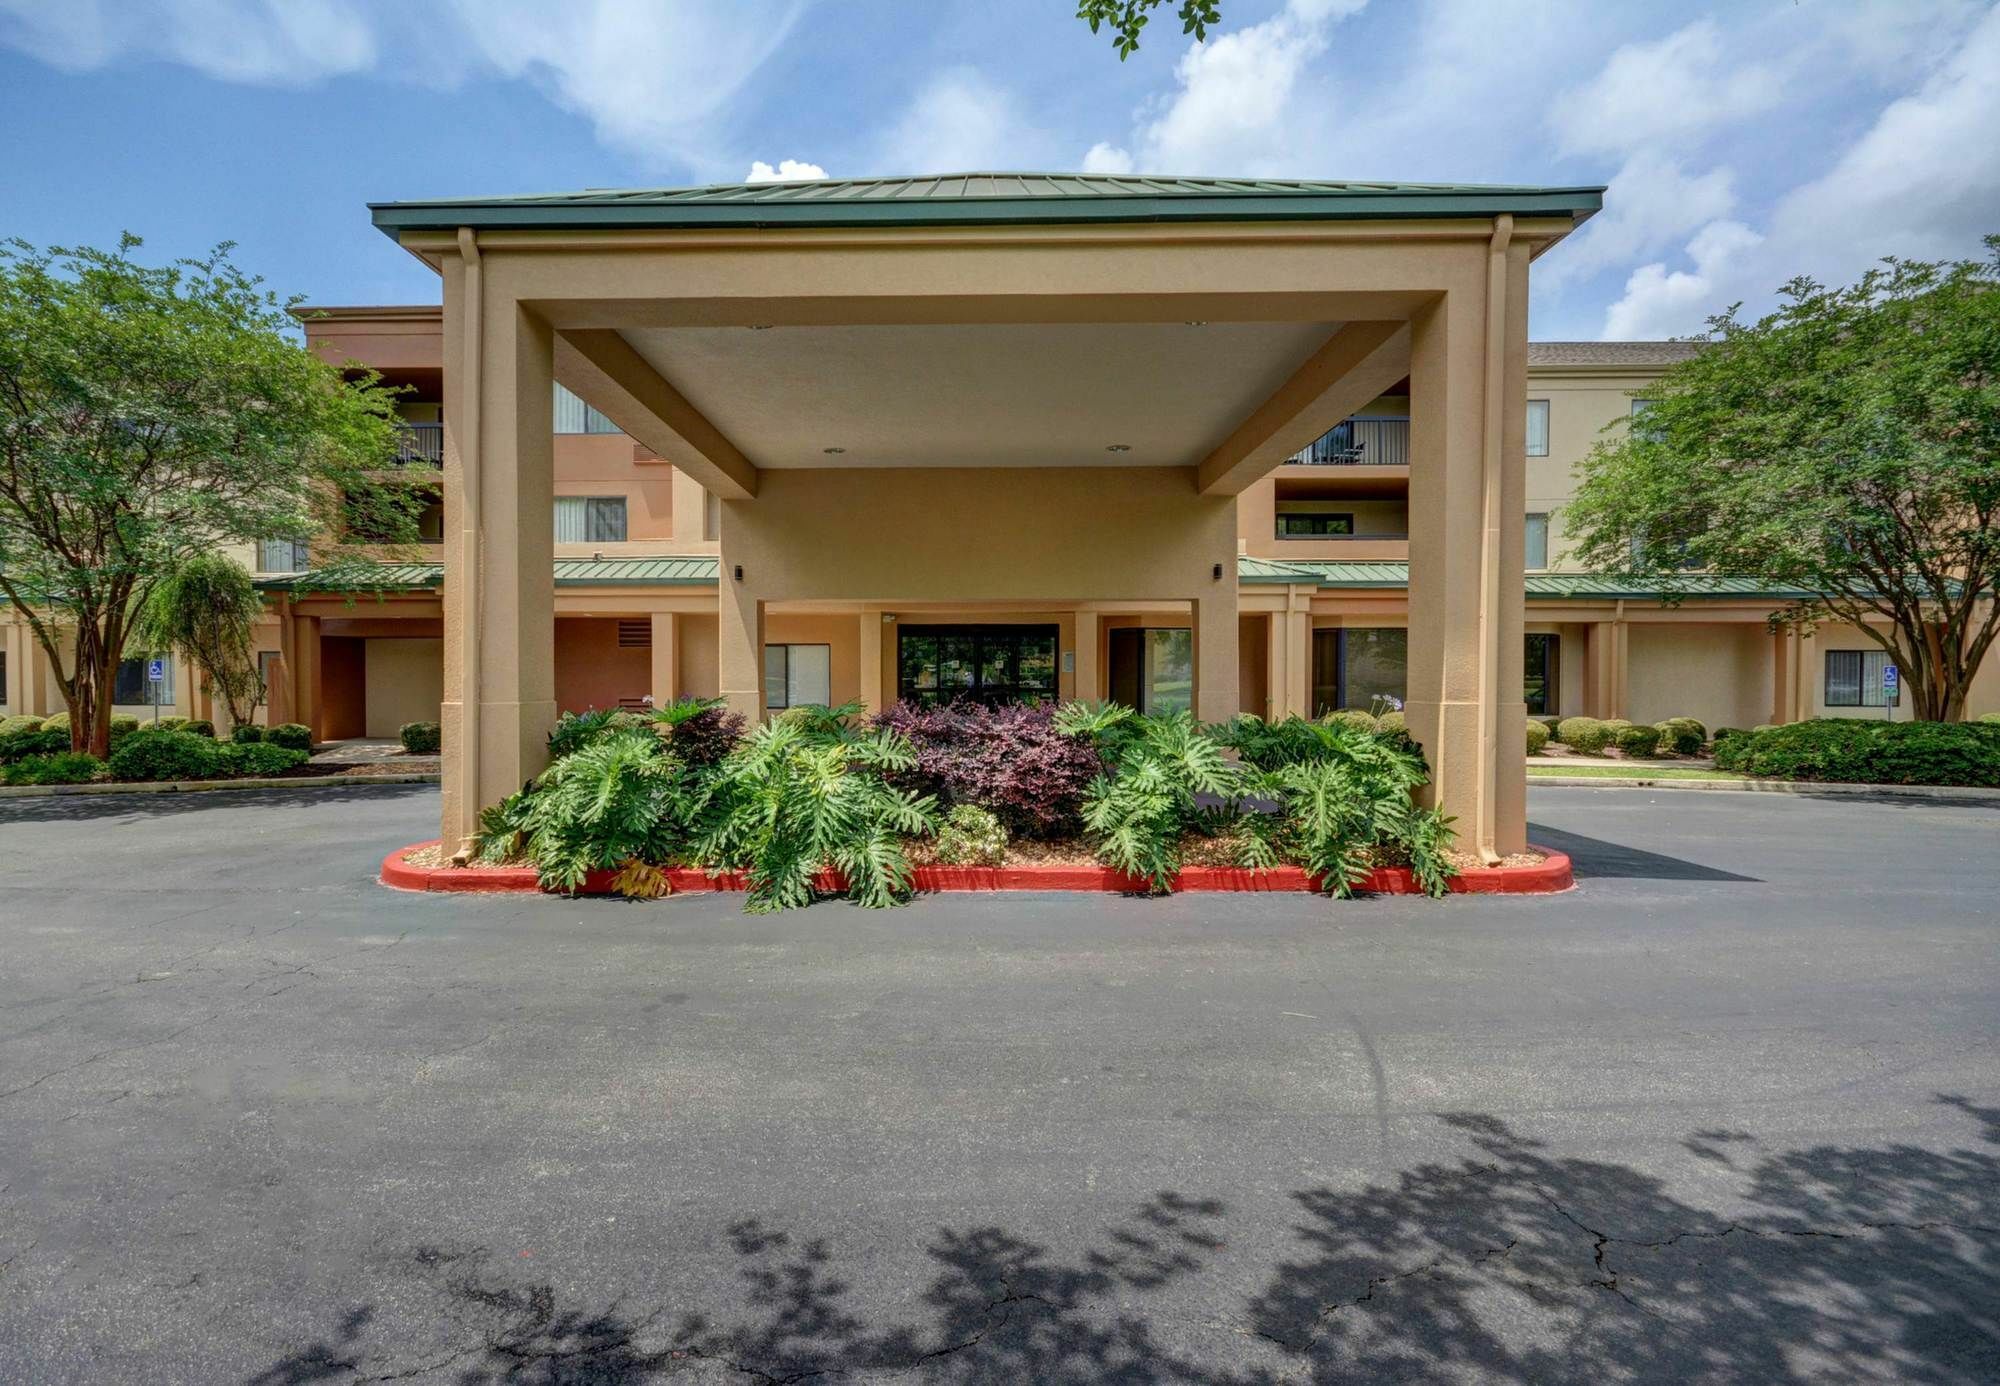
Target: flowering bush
{"x": 1009, "y": 760}
{"x": 970, "y": 836}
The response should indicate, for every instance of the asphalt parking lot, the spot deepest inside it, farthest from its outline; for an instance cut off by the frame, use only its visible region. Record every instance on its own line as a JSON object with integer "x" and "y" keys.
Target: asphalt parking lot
{"x": 1728, "y": 1112}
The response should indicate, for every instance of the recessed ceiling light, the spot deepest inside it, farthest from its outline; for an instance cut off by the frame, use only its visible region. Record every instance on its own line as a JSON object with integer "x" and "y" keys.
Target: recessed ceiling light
{"x": 760, "y": 327}
{"x": 833, "y": 452}
{"x": 1197, "y": 323}
{"x": 1118, "y": 447}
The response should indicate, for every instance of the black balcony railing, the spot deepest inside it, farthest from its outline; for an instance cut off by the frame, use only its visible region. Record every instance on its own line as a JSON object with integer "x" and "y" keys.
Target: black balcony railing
{"x": 1362, "y": 441}
{"x": 420, "y": 445}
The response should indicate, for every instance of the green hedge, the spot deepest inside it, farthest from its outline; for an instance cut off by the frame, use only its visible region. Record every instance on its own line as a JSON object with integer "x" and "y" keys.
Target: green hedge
{"x": 1684, "y": 736}
{"x": 201, "y": 726}
{"x": 59, "y": 722}
{"x": 169, "y": 754}
{"x": 1638, "y": 741}
{"x": 1860, "y": 751}
{"x": 246, "y": 733}
{"x": 293, "y": 736}
{"x": 1585, "y": 735}
{"x": 421, "y": 738}
{"x": 33, "y": 741}
{"x": 259, "y": 759}
{"x": 19, "y": 722}
{"x": 65, "y": 767}
{"x": 1538, "y": 737}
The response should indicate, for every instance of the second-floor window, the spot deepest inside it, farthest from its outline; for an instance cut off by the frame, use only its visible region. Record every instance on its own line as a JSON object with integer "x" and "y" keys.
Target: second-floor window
{"x": 1538, "y": 428}
{"x": 1537, "y": 530}
{"x": 1314, "y": 524}
{"x": 281, "y": 556}
{"x": 590, "y": 519}
{"x": 574, "y": 416}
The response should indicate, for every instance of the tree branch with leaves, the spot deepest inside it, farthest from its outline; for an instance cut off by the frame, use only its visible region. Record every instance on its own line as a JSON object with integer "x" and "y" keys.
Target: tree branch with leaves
{"x": 1847, "y": 447}
{"x": 153, "y": 414}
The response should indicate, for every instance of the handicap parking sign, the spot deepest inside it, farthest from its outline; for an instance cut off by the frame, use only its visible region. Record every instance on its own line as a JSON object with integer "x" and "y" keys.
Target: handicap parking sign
{"x": 1889, "y": 680}
{"x": 156, "y": 670}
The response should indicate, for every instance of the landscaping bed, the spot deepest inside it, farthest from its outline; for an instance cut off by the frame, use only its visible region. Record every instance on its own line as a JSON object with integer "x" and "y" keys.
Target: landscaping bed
{"x": 1085, "y": 796}
{"x": 425, "y": 867}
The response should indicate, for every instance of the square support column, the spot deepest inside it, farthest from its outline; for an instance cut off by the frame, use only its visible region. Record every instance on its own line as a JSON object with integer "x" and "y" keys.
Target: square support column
{"x": 1216, "y": 698}
{"x": 1086, "y": 685}
{"x": 1290, "y": 657}
{"x": 869, "y": 657}
{"x": 666, "y": 672}
{"x": 739, "y": 642}
{"x": 1468, "y": 463}
{"x": 499, "y": 592}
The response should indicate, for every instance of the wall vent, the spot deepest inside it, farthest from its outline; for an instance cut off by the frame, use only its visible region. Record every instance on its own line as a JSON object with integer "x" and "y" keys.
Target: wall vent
{"x": 636, "y": 635}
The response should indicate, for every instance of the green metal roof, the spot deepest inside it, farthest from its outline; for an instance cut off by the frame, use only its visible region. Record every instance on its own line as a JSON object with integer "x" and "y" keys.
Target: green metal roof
{"x": 984, "y": 199}
{"x": 1381, "y": 573}
{"x": 704, "y": 570}
{"x": 666, "y": 571}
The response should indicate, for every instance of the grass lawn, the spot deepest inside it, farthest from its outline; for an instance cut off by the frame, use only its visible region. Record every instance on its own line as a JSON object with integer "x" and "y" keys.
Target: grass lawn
{"x": 1624, "y": 772}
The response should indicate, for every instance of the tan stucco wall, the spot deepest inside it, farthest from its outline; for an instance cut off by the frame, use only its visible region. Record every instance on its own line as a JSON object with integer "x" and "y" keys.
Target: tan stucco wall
{"x": 405, "y": 683}
{"x": 1581, "y": 407}
{"x": 601, "y": 464}
{"x": 841, "y": 633}
{"x": 1720, "y": 674}
{"x": 593, "y": 670}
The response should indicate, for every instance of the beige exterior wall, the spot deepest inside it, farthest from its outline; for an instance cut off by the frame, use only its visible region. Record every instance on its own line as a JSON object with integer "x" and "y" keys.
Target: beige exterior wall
{"x": 405, "y": 683}
{"x": 1719, "y": 674}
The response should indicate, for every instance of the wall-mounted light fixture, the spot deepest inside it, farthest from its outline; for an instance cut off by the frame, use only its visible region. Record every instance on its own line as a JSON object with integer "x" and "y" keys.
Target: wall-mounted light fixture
{"x": 739, "y": 572}
{"x": 1218, "y": 572}
{"x": 1118, "y": 447}
{"x": 833, "y": 452}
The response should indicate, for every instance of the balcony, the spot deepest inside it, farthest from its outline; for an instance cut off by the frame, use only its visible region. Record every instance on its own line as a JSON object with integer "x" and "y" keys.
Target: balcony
{"x": 1366, "y": 440}
{"x": 420, "y": 445}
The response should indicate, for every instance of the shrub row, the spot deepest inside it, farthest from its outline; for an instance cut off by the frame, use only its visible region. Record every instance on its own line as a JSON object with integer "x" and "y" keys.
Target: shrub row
{"x": 1592, "y": 735}
{"x": 1868, "y": 752}
{"x": 181, "y": 755}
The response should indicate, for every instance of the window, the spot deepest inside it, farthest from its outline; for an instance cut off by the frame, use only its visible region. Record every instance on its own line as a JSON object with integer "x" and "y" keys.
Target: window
{"x": 574, "y": 416}
{"x": 1352, "y": 668}
{"x": 1538, "y": 543}
{"x": 1538, "y": 428}
{"x": 796, "y": 675}
{"x": 1294, "y": 524}
{"x": 281, "y": 556}
{"x": 987, "y": 664}
{"x": 590, "y": 519}
{"x": 1854, "y": 679}
{"x": 131, "y": 687}
{"x": 267, "y": 673}
{"x": 1152, "y": 670}
{"x": 1541, "y": 666}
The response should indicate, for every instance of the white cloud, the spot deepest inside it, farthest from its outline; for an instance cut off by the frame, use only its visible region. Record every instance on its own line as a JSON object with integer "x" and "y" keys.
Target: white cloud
{"x": 649, "y": 75}
{"x": 787, "y": 171}
{"x": 1660, "y": 302}
{"x": 1650, "y": 203}
{"x": 1675, "y": 88}
{"x": 265, "y": 42}
{"x": 1236, "y": 92}
{"x": 961, "y": 122}
{"x": 1105, "y": 157}
{"x": 1922, "y": 181}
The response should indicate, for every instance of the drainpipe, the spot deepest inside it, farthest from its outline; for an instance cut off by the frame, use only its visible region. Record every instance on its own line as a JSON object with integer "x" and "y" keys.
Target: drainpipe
{"x": 1491, "y": 522}
{"x": 468, "y": 536}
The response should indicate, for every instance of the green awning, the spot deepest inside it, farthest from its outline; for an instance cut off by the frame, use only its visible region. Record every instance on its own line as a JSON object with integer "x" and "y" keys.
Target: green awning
{"x": 985, "y": 199}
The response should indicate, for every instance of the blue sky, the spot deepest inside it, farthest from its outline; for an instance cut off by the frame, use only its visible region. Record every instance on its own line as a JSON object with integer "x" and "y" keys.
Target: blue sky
{"x": 1743, "y": 142}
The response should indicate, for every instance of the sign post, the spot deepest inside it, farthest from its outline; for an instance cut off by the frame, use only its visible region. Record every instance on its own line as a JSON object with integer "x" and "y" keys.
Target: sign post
{"x": 1890, "y": 681}
{"x": 156, "y": 674}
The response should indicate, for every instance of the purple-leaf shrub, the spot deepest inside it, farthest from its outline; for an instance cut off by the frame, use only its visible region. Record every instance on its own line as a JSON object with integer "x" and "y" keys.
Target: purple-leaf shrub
{"x": 1008, "y": 760}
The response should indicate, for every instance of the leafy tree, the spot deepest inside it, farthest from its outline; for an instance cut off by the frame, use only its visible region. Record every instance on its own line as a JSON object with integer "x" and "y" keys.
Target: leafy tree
{"x": 1846, "y": 446}
{"x": 1128, "y": 17}
{"x": 152, "y": 413}
{"x": 207, "y": 608}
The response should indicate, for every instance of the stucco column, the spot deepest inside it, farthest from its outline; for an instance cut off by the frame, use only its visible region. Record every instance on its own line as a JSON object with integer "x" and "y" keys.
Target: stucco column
{"x": 1086, "y": 685}
{"x": 1215, "y": 640}
{"x": 666, "y": 674}
{"x": 1298, "y": 653}
{"x": 20, "y": 667}
{"x": 1605, "y": 656}
{"x": 690, "y": 513}
{"x": 1784, "y": 675}
{"x": 1277, "y": 672}
{"x": 869, "y": 658}
{"x": 1467, "y": 471}
{"x": 1806, "y": 686}
{"x": 499, "y": 597}
{"x": 739, "y": 643}
{"x": 305, "y": 670}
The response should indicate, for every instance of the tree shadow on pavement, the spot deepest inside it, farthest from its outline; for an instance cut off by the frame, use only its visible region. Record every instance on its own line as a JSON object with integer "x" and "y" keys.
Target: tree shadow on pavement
{"x": 89, "y": 808}
{"x": 1511, "y": 1263}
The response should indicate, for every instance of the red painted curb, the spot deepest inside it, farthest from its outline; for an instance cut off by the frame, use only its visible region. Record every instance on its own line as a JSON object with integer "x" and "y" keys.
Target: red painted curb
{"x": 1546, "y": 878}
